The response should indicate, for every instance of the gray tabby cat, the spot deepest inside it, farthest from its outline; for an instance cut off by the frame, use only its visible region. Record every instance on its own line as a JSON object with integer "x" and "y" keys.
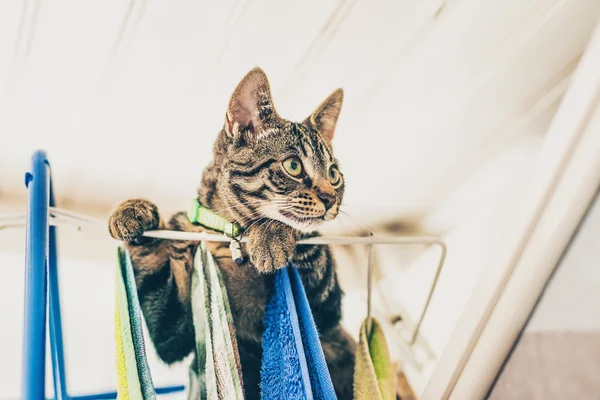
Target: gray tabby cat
{"x": 278, "y": 179}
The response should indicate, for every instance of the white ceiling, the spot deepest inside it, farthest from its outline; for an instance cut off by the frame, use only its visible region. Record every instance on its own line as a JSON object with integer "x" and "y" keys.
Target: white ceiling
{"x": 127, "y": 97}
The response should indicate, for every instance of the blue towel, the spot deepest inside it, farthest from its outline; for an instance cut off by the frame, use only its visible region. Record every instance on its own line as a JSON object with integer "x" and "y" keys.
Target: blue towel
{"x": 293, "y": 364}
{"x": 320, "y": 379}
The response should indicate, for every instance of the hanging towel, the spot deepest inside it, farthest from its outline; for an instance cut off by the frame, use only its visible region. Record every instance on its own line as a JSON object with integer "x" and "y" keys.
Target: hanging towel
{"x": 128, "y": 384}
{"x": 133, "y": 373}
{"x": 218, "y": 362}
{"x": 293, "y": 364}
{"x": 320, "y": 380}
{"x": 374, "y": 375}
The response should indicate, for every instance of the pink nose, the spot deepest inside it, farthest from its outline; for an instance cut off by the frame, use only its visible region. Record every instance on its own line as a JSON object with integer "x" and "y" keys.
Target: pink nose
{"x": 328, "y": 199}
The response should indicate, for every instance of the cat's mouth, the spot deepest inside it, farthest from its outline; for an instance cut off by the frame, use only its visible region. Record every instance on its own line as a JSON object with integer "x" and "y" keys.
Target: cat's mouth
{"x": 305, "y": 222}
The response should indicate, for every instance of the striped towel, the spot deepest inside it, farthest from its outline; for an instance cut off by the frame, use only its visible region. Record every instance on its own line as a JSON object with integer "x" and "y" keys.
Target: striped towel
{"x": 218, "y": 362}
{"x": 133, "y": 373}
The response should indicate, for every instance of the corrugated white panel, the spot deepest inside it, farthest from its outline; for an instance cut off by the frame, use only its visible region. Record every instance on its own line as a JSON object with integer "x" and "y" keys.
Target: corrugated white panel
{"x": 128, "y": 97}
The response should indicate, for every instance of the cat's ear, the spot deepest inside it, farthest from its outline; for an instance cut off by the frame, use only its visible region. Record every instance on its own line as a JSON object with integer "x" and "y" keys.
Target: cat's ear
{"x": 251, "y": 105}
{"x": 324, "y": 118}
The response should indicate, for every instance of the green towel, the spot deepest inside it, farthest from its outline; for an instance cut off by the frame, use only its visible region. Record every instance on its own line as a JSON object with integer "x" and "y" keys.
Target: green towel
{"x": 220, "y": 373}
{"x": 374, "y": 375}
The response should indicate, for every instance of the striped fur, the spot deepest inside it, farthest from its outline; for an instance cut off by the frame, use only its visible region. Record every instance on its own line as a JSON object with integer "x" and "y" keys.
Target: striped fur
{"x": 246, "y": 182}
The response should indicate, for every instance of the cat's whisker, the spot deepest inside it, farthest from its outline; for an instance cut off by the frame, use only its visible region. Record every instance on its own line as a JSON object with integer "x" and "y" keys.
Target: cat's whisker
{"x": 256, "y": 203}
{"x": 262, "y": 219}
{"x": 349, "y": 224}
{"x": 271, "y": 222}
{"x": 341, "y": 230}
{"x": 286, "y": 207}
{"x": 253, "y": 203}
{"x": 266, "y": 222}
{"x": 357, "y": 222}
{"x": 247, "y": 217}
{"x": 246, "y": 203}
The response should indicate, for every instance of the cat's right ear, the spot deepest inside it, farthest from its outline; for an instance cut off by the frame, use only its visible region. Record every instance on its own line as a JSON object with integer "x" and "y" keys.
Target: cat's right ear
{"x": 251, "y": 105}
{"x": 325, "y": 117}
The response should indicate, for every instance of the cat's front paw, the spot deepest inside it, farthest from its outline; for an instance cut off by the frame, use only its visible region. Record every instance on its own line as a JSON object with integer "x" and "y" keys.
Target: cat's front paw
{"x": 271, "y": 246}
{"x": 131, "y": 219}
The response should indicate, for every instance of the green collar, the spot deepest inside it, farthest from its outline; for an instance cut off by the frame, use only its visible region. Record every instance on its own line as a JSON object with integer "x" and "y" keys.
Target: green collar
{"x": 201, "y": 215}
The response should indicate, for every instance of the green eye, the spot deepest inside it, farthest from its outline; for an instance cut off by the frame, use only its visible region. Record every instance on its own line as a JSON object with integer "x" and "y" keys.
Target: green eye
{"x": 334, "y": 176}
{"x": 293, "y": 166}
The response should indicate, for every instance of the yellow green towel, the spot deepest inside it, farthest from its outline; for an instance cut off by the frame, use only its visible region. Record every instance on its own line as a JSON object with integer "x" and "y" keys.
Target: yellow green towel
{"x": 374, "y": 375}
{"x": 121, "y": 361}
{"x": 128, "y": 383}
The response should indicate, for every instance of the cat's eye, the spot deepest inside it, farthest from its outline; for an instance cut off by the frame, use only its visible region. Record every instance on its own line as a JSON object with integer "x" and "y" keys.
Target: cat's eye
{"x": 293, "y": 166}
{"x": 335, "y": 177}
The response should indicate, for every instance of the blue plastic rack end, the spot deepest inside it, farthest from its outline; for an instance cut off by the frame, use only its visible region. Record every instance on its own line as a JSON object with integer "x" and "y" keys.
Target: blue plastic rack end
{"x": 41, "y": 283}
{"x": 34, "y": 352}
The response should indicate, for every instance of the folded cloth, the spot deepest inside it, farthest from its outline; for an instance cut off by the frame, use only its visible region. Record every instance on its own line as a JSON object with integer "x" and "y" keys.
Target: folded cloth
{"x": 218, "y": 363}
{"x": 374, "y": 375}
{"x": 293, "y": 364}
{"x": 133, "y": 373}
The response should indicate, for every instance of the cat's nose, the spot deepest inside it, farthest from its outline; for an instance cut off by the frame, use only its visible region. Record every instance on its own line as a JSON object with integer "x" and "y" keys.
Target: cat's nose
{"x": 328, "y": 199}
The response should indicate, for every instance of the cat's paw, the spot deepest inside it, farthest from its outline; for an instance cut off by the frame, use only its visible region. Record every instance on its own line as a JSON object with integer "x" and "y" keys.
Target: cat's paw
{"x": 271, "y": 246}
{"x": 131, "y": 219}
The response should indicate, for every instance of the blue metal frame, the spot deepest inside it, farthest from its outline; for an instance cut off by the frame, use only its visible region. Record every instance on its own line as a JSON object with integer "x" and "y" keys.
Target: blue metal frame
{"x": 113, "y": 395}
{"x": 34, "y": 351}
{"x": 56, "y": 337}
{"x": 42, "y": 291}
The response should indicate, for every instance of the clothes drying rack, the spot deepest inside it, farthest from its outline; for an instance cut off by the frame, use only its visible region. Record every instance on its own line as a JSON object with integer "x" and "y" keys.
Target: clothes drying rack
{"x": 42, "y": 296}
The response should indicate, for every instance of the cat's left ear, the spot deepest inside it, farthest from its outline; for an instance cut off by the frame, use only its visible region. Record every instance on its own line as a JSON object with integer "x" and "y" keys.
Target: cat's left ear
{"x": 251, "y": 105}
{"x": 325, "y": 117}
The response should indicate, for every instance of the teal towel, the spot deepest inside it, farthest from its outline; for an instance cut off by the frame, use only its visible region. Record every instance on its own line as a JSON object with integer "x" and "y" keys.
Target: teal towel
{"x": 135, "y": 325}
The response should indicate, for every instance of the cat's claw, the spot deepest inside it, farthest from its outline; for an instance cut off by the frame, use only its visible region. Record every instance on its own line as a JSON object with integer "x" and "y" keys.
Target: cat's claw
{"x": 271, "y": 246}
{"x": 131, "y": 219}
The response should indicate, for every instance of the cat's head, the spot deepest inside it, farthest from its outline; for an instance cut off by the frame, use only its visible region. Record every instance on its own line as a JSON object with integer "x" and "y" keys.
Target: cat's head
{"x": 275, "y": 169}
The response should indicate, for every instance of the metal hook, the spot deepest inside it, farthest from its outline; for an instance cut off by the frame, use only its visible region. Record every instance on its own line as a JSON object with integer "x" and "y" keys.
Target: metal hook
{"x": 235, "y": 247}
{"x": 371, "y": 251}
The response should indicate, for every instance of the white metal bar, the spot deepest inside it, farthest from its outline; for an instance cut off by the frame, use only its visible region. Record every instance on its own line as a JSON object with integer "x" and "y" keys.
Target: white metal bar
{"x": 337, "y": 240}
{"x": 64, "y": 217}
{"x": 370, "y": 256}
